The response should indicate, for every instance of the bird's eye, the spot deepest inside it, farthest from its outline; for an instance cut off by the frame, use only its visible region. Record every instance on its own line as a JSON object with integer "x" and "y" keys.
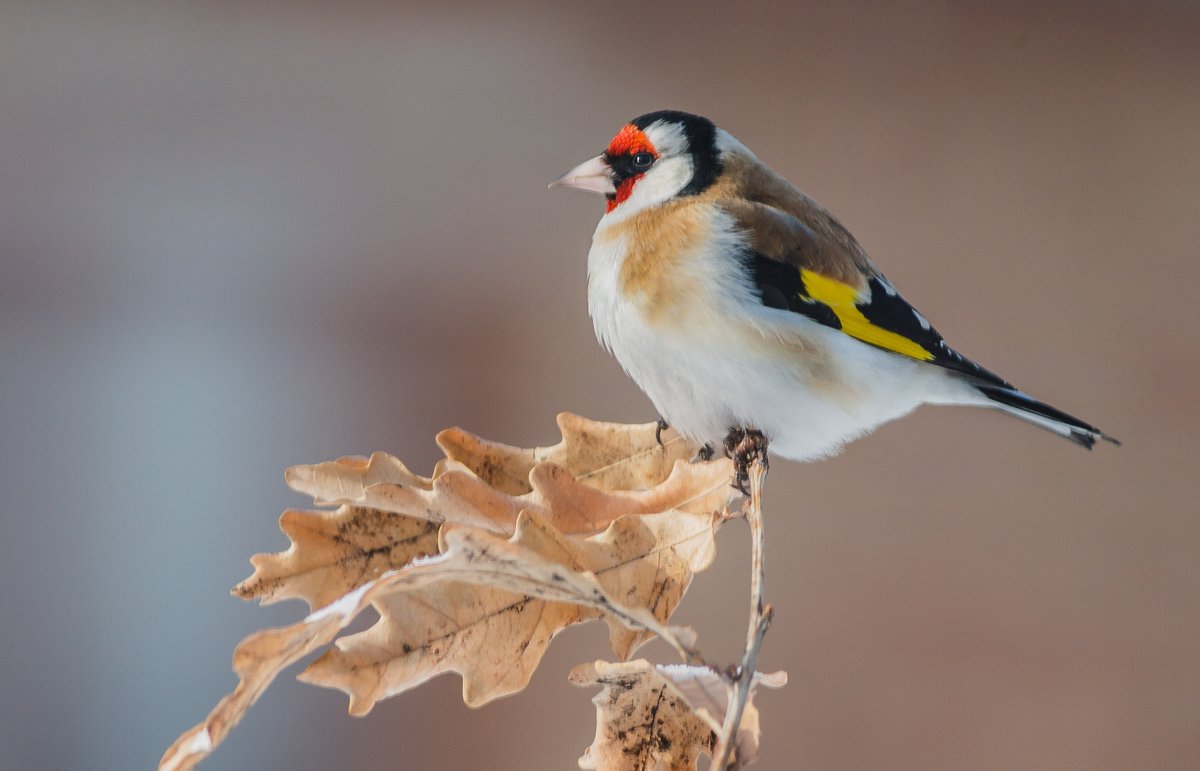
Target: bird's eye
{"x": 643, "y": 161}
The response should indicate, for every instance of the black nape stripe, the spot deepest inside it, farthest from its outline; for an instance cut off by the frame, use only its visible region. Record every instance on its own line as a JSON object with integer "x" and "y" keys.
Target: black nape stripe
{"x": 701, "y": 136}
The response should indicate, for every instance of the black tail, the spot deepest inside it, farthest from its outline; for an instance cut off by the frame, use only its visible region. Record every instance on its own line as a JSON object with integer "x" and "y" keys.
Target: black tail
{"x": 1024, "y": 406}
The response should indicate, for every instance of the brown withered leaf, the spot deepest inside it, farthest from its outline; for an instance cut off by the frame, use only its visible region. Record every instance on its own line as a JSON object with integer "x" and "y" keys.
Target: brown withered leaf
{"x": 471, "y": 556}
{"x": 333, "y": 552}
{"x": 456, "y": 496}
{"x": 642, "y": 720}
{"x": 344, "y": 479}
{"x": 648, "y": 562}
{"x": 459, "y": 497}
{"x": 381, "y": 526}
{"x": 256, "y": 661}
{"x": 388, "y": 516}
{"x": 577, "y": 507}
{"x": 557, "y": 482}
{"x": 709, "y": 694}
{"x": 650, "y": 717}
{"x": 610, "y": 456}
{"x": 494, "y": 619}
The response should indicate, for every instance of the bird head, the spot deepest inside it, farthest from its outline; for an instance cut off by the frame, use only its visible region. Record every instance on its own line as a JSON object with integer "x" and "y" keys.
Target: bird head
{"x": 652, "y": 159}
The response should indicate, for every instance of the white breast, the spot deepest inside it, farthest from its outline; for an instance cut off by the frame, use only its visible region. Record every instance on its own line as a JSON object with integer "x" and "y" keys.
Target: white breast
{"x": 721, "y": 359}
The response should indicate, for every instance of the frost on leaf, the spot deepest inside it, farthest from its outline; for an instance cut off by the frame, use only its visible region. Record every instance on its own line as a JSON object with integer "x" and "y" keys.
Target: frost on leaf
{"x": 656, "y": 717}
{"x": 609, "y": 456}
{"x": 492, "y": 620}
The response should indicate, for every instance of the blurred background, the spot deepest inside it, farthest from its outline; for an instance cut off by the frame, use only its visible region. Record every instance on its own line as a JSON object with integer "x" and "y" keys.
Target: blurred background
{"x": 236, "y": 237}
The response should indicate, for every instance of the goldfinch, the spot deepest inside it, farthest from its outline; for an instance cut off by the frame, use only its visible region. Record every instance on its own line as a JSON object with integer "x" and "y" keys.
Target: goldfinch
{"x": 742, "y": 308}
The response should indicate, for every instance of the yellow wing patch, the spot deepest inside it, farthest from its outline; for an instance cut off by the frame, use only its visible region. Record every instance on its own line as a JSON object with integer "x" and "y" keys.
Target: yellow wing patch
{"x": 843, "y": 300}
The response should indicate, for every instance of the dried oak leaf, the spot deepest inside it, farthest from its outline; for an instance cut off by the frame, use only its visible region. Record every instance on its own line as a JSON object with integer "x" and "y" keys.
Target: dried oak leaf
{"x": 662, "y": 717}
{"x": 493, "y": 622}
{"x": 256, "y": 661}
{"x": 344, "y": 479}
{"x": 333, "y": 552}
{"x": 709, "y": 694}
{"x": 577, "y": 507}
{"x": 381, "y": 526}
{"x": 337, "y": 553}
{"x": 472, "y": 563}
{"x": 392, "y": 523}
{"x": 610, "y": 456}
{"x": 459, "y": 496}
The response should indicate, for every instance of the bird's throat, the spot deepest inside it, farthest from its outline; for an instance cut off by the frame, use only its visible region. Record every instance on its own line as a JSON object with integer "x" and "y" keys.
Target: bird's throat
{"x": 624, "y": 190}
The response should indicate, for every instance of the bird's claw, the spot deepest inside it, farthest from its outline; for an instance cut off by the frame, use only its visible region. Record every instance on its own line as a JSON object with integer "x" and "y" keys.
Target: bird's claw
{"x": 658, "y": 429}
{"x": 745, "y": 446}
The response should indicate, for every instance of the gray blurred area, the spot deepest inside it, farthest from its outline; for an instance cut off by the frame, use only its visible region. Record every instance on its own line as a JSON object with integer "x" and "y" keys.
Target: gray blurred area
{"x": 239, "y": 236}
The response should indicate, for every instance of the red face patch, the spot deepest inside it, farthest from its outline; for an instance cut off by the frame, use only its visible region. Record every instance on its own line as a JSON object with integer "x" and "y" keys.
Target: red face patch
{"x": 628, "y": 142}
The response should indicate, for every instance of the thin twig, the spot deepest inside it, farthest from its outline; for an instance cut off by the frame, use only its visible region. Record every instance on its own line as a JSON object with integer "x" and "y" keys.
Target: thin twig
{"x": 760, "y": 621}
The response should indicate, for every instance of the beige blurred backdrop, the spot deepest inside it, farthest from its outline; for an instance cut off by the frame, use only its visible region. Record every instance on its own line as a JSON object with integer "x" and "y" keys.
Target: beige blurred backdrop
{"x": 239, "y": 236}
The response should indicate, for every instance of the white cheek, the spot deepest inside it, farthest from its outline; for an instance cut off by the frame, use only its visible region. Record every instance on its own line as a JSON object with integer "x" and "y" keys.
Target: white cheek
{"x": 659, "y": 184}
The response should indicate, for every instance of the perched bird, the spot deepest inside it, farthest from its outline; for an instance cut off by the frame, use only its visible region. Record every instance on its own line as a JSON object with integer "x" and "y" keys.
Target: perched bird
{"x": 745, "y": 311}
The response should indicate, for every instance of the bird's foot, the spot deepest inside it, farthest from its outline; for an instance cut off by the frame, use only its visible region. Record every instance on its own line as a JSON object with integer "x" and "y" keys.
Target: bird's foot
{"x": 745, "y": 446}
{"x": 704, "y": 454}
{"x": 663, "y": 425}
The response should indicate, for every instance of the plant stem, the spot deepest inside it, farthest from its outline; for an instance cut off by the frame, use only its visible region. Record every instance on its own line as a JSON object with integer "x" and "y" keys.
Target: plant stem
{"x": 760, "y": 621}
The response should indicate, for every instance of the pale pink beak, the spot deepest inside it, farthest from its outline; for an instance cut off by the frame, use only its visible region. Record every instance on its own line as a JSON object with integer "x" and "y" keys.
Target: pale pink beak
{"x": 594, "y": 176}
